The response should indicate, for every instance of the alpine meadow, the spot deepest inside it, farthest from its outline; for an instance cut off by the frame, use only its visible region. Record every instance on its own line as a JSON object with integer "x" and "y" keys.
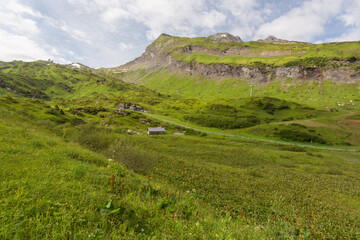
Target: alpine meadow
{"x": 262, "y": 141}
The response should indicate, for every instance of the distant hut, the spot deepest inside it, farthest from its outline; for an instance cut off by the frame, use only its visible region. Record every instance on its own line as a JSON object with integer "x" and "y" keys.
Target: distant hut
{"x": 156, "y": 131}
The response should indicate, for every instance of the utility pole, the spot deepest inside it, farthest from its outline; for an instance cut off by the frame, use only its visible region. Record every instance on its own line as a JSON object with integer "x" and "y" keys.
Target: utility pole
{"x": 97, "y": 100}
{"x": 188, "y": 121}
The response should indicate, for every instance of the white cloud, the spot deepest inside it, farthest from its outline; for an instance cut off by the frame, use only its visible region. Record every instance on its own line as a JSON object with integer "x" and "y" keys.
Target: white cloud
{"x": 18, "y": 18}
{"x": 170, "y": 16}
{"x": 175, "y": 17}
{"x": 111, "y": 15}
{"x": 20, "y": 35}
{"x": 212, "y": 19}
{"x": 17, "y": 47}
{"x": 74, "y": 33}
{"x": 244, "y": 11}
{"x": 351, "y": 19}
{"x": 18, "y": 24}
{"x": 110, "y": 32}
{"x": 245, "y": 15}
{"x": 302, "y": 23}
{"x": 15, "y": 7}
{"x": 351, "y": 35}
{"x": 125, "y": 46}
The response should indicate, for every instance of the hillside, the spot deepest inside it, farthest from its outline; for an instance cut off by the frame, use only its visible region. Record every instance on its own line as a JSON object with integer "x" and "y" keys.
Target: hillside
{"x": 85, "y": 90}
{"x": 55, "y": 186}
{"x": 76, "y": 161}
{"x": 320, "y": 75}
{"x": 202, "y": 186}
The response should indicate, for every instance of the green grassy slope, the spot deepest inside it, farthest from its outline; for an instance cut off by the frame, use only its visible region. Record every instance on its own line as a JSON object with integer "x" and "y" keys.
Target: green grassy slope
{"x": 56, "y": 176}
{"x": 56, "y": 183}
{"x": 322, "y": 94}
{"x": 325, "y": 95}
{"x": 266, "y": 181}
{"x": 309, "y": 55}
{"x": 83, "y": 90}
{"x": 61, "y": 83}
{"x": 54, "y": 189}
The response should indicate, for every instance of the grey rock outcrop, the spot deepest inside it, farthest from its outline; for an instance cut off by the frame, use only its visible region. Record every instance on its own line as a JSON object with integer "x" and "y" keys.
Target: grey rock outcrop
{"x": 132, "y": 107}
{"x": 225, "y": 37}
{"x": 156, "y": 57}
{"x": 121, "y": 112}
{"x": 271, "y": 39}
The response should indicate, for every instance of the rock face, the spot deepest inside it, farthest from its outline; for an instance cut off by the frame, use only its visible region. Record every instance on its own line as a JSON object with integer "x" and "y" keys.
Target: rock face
{"x": 271, "y": 39}
{"x": 121, "y": 112}
{"x": 132, "y": 107}
{"x": 156, "y": 57}
{"x": 225, "y": 37}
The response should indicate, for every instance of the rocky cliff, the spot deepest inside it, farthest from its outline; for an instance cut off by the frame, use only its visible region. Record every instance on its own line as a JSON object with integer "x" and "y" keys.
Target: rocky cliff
{"x": 161, "y": 54}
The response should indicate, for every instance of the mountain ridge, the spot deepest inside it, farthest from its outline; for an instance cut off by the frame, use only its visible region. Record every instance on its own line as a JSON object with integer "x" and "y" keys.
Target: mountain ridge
{"x": 202, "y": 57}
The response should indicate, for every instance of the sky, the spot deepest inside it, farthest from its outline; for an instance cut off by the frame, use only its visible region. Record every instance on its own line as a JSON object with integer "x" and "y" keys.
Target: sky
{"x": 109, "y": 33}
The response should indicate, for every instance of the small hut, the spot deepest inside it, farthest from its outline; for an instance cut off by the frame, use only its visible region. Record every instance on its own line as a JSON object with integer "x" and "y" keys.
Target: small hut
{"x": 156, "y": 131}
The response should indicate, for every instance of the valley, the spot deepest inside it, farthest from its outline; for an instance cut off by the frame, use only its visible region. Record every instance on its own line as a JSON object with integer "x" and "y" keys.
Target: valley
{"x": 283, "y": 163}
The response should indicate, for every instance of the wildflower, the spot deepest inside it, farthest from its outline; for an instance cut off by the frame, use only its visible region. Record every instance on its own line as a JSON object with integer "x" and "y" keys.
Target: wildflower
{"x": 258, "y": 228}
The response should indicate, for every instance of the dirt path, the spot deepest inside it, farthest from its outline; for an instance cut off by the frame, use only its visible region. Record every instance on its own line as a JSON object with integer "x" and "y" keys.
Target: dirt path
{"x": 352, "y": 149}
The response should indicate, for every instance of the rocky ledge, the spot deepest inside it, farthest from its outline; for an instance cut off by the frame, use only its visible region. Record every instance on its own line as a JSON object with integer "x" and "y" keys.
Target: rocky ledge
{"x": 225, "y": 37}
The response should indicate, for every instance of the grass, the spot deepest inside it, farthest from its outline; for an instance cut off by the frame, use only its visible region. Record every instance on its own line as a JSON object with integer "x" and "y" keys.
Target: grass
{"x": 328, "y": 95}
{"x": 55, "y": 189}
{"x": 305, "y": 54}
{"x": 267, "y": 181}
{"x": 57, "y": 180}
{"x": 228, "y": 188}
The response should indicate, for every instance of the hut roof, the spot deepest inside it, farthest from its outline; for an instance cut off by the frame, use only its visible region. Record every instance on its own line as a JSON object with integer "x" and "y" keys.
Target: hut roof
{"x": 159, "y": 129}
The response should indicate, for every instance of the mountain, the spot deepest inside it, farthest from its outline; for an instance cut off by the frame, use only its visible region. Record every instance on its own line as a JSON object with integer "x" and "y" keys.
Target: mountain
{"x": 76, "y": 160}
{"x": 223, "y": 55}
{"x": 204, "y": 67}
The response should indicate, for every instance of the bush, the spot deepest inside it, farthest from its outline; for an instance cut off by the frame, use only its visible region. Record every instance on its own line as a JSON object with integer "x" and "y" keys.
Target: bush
{"x": 292, "y": 148}
{"x": 300, "y": 136}
{"x": 225, "y": 122}
{"x": 90, "y": 136}
{"x": 308, "y": 62}
{"x": 132, "y": 156}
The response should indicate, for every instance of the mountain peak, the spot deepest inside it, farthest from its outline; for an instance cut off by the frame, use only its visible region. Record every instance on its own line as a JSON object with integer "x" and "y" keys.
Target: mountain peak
{"x": 271, "y": 38}
{"x": 225, "y": 37}
{"x": 165, "y": 35}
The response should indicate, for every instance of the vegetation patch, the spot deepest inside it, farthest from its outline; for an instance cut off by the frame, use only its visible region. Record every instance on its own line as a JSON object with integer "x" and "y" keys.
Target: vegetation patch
{"x": 73, "y": 166}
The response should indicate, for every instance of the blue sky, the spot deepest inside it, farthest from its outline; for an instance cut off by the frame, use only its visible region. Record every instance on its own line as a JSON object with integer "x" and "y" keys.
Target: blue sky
{"x": 107, "y": 33}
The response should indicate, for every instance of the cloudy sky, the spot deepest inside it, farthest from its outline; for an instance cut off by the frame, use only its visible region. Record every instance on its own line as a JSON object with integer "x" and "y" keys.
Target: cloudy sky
{"x": 106, "y": 33}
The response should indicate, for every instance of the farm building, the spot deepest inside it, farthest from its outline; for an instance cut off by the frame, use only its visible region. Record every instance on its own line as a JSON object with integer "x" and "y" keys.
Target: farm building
{"x": 155, "y": 131}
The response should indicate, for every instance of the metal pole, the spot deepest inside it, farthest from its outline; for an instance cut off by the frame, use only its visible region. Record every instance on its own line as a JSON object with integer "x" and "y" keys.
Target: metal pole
{"x": 188, "y": 121}
{"x": 251, "y": 90}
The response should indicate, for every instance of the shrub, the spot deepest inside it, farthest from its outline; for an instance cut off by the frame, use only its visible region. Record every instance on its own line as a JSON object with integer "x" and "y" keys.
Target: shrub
{"x": 132, "y": 156}
{"x": 292, "y": 148}
{"x": 225, "y": 122}
{"x": 91, "y": 136}
{"x": 308, "y": 62}
{"x": 300, "y": 136}
{"x": 334, "y": 171}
